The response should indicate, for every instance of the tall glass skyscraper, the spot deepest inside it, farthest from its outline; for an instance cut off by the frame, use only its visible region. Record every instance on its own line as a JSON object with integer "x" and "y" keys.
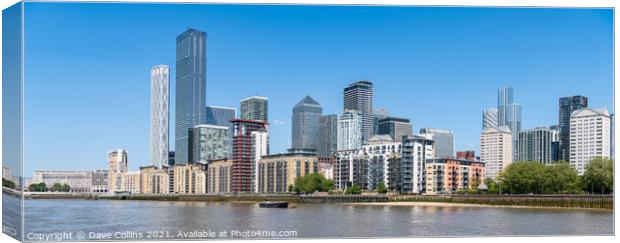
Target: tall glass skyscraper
{"x": 160, "y": 95}
{"x": 359, "y": 96}
{"x": 444, "y": 141}
{"x": 221, "y": 116}
{"x": 305, "y": 124}
{"x": 509, "y": 112}
{"x": 328, "y": 135}
{"x": 191, "y": 82}
{"x": 567, "y": 106}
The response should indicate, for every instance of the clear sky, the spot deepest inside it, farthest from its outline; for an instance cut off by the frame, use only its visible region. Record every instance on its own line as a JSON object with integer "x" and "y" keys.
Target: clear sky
{"x": 87, "y": 67}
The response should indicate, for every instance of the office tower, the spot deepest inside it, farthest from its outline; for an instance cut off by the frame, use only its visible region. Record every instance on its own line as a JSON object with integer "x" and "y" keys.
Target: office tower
{"x": 378, "y": 114}
{"x": 416, "y": 150}
{"x": 305, "y": 124}
{"x": 359, "y": 96}
{"x": 78, "y": 181}
{"x": 535, "y": 145}
{"x": 509, "y": 112}
{"x": 589, "y": 137}
{"x": 171, "y": 159}
{"x": 254, "y": 108}
{"x": 444, "y": 141}
{"x": 328, "y": 135}
{"x": 555, "y": 142}
{"x": 496, "y": 150}
{"x": 191, "y": 82}
{"x": 117, "y": 166}
{"x": 489, "y": 118}
{"x": 249, "y": 144}
{"x": 567, "y": 106}
{"x": 219, "y": 115}
{"x": 208, "y": 142}
{"x": 349, "y": 130}
{"x": 395, "y": 127}
{"x": 160, "y": 79}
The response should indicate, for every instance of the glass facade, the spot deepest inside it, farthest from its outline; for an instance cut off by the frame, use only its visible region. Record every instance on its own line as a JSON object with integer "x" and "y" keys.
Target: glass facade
{"x": 191, "y": 81}
{"x": 305, "y": 124}
{"x": 160, "y": 95}
{"x": 359, "y": 96}
{"x": 567, "y": 106}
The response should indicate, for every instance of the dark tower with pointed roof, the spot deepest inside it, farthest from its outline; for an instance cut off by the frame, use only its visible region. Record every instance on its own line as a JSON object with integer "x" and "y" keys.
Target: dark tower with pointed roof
{"x": 305, "y": 124}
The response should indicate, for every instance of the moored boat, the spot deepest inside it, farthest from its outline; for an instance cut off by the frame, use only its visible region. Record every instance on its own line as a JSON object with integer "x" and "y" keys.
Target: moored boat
{"x": 273, "y": 204}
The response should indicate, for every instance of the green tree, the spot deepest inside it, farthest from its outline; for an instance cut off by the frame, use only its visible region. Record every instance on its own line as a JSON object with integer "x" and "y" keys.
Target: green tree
{"x": 492, "y": 185}
{"x": 599, "y": 175}
{"x": 561, "y": 178}
{"x": 354, "y": 189}
{"x": 523, "y": 177}
{"x": 311, "y": 183}
{"x": 37, "y": 187}
{"x": 381, "y": 188}
{"x": 65, "y": 188}
{"x": 8, "y": 183}
{"x": 57, "y": 187}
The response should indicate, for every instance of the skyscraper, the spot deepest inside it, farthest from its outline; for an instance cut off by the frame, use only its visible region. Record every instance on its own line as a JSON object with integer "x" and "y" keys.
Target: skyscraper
{"x": 496, "y": 150}
{"x": 589, "y": 137}
{"x": 567, "y": 106}
{"x": 220, "y": 116}
{"x": 359, "y": 96}
{"x": 378, "y": 114}
{"x": 555, "y": 142}
{"x": 305, "y": 124}
{"x": 328, "y": 135}
{"x": 509, "y": 112}
{"x": 349, "y": 130}
{"x": 191, "y": 82}
{"x": 160, "y": 95}
{"x": 444, "y": 141}
{"x": 254, "y": 108}
{"x": 395, "y": 127}
{"x": 249, "y": 144}
{"x": 535, "y": 145}
{"x": 489, "y": 118}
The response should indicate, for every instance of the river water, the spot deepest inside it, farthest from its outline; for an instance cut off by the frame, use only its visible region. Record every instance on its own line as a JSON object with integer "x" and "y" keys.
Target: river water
{"x": 139, "y": 220}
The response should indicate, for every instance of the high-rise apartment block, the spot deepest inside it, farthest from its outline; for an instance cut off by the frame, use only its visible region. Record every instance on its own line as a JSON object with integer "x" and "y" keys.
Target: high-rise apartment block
{"x": 249, "y": 144}
{"x": 255, "y": 108}
{"x": 359, "y": 96}
{"x": 191, "y": 82}
{"x": 496, "y": 150}
{"x": 277, "y": 172}
{"x": 535, "y": 145}
{"x": 160, "y": 96}
{"x": 416, "y": 150}
{"x": 589, "y": 137}
{"x": 349, "y": 130}
{"x": 209, "y": 142}
{"x": 567, "y": 105}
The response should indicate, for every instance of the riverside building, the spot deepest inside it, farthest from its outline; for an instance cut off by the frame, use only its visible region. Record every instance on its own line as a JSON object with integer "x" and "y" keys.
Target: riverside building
{"x": 219, "y": 176}
{"x": 117, "y": 166}
{"x": 190, "y": 178}
{"x": 278, "y": 171}
{"x": 589, "y": 137}
{"x": 154, "y": 180}
{"x": 250, "y": 141}
{"x": 452, "y": 175}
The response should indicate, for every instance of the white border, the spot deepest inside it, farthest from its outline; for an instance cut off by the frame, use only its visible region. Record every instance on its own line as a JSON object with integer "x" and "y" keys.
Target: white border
{"x": 498, "y": 3}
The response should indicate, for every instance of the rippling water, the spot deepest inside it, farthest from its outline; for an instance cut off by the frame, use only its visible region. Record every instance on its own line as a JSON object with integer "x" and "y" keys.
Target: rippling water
{"x": 308, "y": 220}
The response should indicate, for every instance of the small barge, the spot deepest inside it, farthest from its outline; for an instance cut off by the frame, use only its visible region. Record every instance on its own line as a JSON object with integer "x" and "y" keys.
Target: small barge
{"x": 273, "y": 204}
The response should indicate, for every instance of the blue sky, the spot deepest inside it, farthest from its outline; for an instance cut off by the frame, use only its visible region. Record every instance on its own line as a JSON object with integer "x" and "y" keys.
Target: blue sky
{"x": 87, "y": 67}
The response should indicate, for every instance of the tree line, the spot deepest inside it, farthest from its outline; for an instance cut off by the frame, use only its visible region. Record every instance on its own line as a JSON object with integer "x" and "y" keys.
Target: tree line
{"x": 42, "y": 187}
{"x": 524, "y": 177}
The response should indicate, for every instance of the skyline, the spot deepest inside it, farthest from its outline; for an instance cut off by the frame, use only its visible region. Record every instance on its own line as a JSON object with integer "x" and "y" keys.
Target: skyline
{"x": 539, "y": 108}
